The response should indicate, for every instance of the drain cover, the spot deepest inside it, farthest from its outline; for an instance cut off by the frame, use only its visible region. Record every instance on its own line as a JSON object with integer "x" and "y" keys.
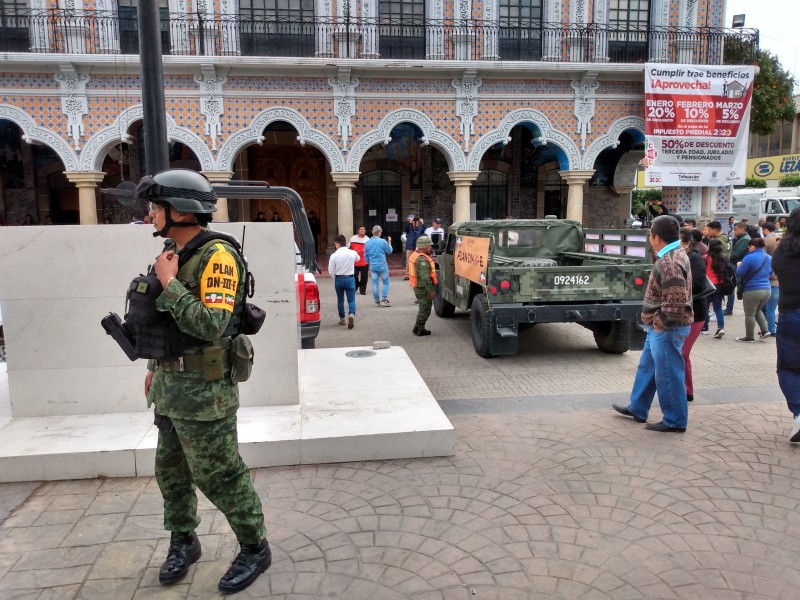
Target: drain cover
{"x": 360, "y": 353}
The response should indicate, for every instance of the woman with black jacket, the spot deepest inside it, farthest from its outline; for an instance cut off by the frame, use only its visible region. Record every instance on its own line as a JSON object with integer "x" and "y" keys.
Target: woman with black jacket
{"x": 699, "y": 304}
{"x": 786, "y": 265}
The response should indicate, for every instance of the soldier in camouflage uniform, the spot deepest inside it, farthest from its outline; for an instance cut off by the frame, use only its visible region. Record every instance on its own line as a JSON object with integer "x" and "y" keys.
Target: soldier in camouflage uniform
{"x": 197, "y": 440}
{"x": 422, "y": 277}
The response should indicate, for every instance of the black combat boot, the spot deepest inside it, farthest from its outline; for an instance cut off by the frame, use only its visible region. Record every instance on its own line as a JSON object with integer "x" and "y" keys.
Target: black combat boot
{"x": 246, "y": 567}
{"x": 184, "y": 551}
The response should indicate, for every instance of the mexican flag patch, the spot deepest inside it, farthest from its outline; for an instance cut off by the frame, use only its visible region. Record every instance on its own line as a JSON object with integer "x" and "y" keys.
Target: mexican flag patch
{"x": 213, "y": 298}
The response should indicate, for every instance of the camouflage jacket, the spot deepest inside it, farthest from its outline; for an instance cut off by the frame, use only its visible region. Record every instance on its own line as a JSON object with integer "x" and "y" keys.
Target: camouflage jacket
{"x": 201, "y": 302}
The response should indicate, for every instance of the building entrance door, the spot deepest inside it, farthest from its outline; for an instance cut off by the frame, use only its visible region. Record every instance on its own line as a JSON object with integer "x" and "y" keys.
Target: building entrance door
{"x": 383, "y": 204}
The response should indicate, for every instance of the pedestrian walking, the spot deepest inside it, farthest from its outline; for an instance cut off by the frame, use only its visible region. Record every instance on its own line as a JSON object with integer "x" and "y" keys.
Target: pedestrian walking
{"x": 700, "y": 296}
{"x": 422, "y": 274}
{"x": 716, "y": 266}
{"x": 786, "y": 264}
{"x": 667, "y": 311}
{"x": 341, "y": 267}
{"x": 196, "y": 316}
{"x": 771, "y": 240}
{"x": 361, "y": 272}
{"x": 753, "y": 274}
{"x": 375, "y": 251}
{"x": 739, "y": 249}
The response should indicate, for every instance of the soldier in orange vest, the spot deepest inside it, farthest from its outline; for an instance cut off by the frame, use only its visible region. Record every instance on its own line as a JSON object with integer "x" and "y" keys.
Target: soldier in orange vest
{"x": 422, "y": 277}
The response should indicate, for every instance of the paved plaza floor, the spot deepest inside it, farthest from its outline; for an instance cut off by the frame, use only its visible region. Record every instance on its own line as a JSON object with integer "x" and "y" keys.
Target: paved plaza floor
{"x": 550, "y": 495}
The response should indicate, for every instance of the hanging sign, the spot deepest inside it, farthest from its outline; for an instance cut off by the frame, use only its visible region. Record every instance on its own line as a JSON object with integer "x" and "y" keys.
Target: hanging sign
{"x": 472, "y": 258}
{"x": 697, "y": 122}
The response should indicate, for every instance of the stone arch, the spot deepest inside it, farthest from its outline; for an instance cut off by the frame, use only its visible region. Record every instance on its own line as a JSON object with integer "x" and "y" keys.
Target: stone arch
{"x": 97, "y": 147}
{"x": 430, "y": 135}
{"x": 254, "y": 134}
{"x": 33, "y": 133}
{"x": 569, "y": 156}
{"x": 611, "y": 139}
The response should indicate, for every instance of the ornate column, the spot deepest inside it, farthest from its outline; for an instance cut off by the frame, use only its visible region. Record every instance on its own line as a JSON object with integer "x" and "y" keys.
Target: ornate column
{"x": 575, "y": 180}
{"x": 463, "y": 181}
{"x": 86, "y": 181}
{"x": 345, "y": 182}
{"x": 221, "y": 216}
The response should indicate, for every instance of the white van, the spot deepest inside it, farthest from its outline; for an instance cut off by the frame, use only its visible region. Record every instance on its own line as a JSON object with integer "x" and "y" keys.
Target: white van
{"x": 771, "y": 203}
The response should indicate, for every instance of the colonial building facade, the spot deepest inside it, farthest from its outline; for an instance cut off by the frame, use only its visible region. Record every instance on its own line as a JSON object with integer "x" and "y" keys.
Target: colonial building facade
{"x": 371, "y": 109}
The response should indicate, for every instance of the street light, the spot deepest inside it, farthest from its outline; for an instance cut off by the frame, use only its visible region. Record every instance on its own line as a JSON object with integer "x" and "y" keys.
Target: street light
{"x": 738, "y": 21}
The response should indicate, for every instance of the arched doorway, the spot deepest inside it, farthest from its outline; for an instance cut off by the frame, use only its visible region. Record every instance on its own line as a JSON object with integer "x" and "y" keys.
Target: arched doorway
{"x": 526, "y": 164}
{"x": 126, "y": 162}
{"x": 413, "y": 173}
{"x": 282, "y": 161}
{"x": 615, "y": 172}
{"x": 32, "y": 182}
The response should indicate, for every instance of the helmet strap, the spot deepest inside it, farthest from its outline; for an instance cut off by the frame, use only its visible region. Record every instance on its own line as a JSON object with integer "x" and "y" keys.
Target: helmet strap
{"x": 169, "y": 224}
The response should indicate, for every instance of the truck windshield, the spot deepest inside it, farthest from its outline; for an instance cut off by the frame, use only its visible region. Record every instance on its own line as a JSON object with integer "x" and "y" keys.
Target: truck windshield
{"x": 791, "y": 204}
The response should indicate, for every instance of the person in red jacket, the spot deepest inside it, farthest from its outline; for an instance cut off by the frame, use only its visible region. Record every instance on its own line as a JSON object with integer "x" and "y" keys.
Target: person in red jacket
{"x": 361, "y": 273}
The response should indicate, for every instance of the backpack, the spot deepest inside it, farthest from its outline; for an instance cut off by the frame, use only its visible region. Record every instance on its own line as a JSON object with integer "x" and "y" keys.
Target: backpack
{"x": 728, "y": 282}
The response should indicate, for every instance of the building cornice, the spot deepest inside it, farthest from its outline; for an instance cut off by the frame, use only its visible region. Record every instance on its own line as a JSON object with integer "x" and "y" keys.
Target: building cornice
{"x": 324, "y": 67}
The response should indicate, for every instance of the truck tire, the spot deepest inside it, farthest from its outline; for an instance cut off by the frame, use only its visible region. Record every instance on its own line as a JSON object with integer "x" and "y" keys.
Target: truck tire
{"x": 308, "y": 343}
{"x": 481, "y": 326}
{"x": 612, "y": 337}
{"x": 442, "y": 307}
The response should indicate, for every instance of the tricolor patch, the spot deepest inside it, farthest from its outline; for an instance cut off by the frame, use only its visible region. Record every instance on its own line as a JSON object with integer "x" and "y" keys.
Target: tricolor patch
{"x": 229, "y": 299}
{"x": 213, "y": 298}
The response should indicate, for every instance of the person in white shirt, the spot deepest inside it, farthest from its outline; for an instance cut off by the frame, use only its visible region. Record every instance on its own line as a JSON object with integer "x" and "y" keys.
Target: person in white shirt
{"x": 341, "y": 267}
{"x": 435, "y": 230}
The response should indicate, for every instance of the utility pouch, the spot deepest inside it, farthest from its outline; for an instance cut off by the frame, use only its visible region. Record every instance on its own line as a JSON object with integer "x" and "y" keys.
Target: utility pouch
{"x": 141, "y": 300}
{"x": 163, "y": 423}
{"x": 252, "y": 319}
{"x": 213, "y": 364}
{"x": 241, "y": 358}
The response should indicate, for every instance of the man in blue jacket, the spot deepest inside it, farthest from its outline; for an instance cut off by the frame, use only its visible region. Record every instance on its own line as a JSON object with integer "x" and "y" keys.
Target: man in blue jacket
{"x": 414, "y": 230}
{"x": 375, "y": 252}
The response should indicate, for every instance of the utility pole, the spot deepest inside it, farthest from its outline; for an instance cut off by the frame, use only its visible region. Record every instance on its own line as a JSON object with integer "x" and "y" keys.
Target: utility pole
{"x": 156, "y": 144}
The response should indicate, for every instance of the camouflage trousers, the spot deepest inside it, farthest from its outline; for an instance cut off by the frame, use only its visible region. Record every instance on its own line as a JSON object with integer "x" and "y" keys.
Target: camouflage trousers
{"x": 205, "y": 454}
{"x": 424, "y": 310}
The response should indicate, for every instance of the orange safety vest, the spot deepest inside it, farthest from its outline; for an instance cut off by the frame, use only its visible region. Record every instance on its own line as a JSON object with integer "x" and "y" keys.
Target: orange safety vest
{"x": 412, "y": 268}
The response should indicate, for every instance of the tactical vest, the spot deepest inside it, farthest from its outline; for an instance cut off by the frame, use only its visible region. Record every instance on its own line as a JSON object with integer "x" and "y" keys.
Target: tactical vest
{"x": 156, "y": 334}
{"x": 412, "y": 268}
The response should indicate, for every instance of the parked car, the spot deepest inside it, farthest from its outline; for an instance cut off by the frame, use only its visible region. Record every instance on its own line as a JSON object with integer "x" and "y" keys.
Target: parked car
{"x": 309, "y": 312}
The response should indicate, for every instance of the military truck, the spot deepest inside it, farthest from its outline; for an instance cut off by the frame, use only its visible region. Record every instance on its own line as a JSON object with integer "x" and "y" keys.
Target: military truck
{"x": 514, "y": 274}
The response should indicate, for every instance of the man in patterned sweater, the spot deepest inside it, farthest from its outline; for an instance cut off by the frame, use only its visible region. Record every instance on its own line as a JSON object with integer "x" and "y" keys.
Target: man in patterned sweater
{"x": 667, "y": 311}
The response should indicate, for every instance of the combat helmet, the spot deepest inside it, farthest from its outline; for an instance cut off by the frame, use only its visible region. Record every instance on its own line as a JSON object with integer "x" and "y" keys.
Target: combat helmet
{"x": 424, "y": 241}
{"x": 184, "y": 190}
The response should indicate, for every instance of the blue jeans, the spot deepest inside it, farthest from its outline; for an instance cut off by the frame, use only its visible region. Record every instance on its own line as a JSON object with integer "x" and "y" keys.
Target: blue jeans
{"x": 716, "y": 303}
{"x": 384, "y": 278}
{"x": 345, "y": 284}
{"x": 661, "y": 369}
{"x": 788, "y": 342}
{"x": 771, "y": 307}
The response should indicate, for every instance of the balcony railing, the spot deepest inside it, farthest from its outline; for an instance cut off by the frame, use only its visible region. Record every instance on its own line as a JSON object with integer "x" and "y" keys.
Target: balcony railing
{"x": 63, "y": 32}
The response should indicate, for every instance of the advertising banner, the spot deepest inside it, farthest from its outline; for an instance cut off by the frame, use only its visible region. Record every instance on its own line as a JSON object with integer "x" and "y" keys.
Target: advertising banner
{"x": 697, "y": 122}
{"x": 774, "y": 167}
{"x": 472, "y": 258}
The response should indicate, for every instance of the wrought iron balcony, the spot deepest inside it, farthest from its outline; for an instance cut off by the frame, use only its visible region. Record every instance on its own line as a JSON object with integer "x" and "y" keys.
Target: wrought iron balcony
{"x": 64, "y": 32}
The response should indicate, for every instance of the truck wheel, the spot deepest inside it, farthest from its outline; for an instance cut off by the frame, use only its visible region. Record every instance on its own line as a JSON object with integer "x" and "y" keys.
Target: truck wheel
{"x": 612, "y": 336}
{"x": 481, "y": 326}
{"x": 442, "y": 307}
{"x": 308, "y": 343}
